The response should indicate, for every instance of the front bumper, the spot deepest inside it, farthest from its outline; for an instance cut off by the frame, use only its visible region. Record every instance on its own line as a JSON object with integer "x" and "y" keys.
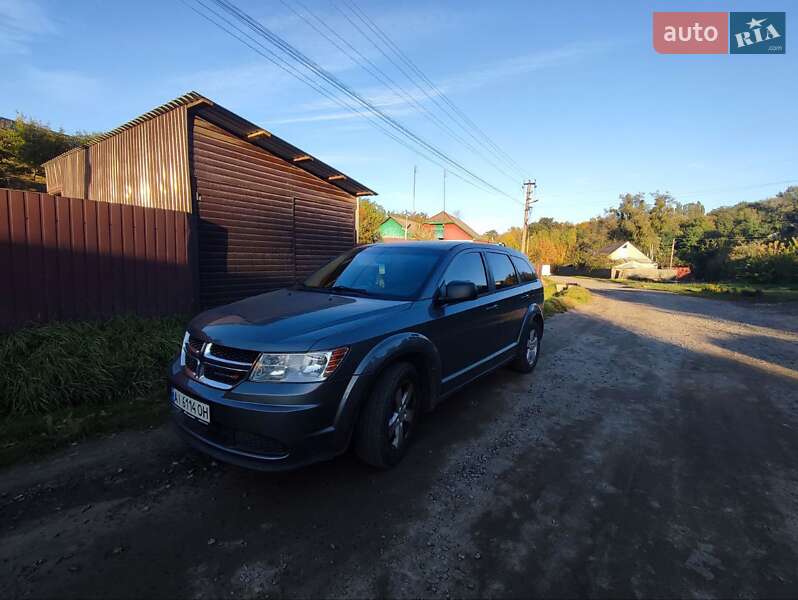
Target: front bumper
{"x": 270, "y": 427}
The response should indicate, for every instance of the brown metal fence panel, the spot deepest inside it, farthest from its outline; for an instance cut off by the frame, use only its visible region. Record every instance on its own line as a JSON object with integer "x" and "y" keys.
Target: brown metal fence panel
{"x": 68, "y": 258}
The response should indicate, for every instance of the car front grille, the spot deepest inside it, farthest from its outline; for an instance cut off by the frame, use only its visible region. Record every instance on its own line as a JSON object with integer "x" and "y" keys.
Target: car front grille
{"x": 234, "y": 354}
{"x": 195, "y": 344}
{"x": 217, "y": 365}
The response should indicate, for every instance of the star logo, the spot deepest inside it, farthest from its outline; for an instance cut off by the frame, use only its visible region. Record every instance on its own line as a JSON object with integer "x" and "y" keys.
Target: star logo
{"x": 755, "y": 23}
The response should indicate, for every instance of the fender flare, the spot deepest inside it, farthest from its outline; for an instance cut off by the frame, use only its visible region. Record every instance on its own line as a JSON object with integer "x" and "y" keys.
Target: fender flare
{"x": 533, "y": 311}
{"x": 390, "y": 349}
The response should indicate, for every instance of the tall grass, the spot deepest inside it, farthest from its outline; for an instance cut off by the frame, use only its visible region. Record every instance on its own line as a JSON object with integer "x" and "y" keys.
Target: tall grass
{"x": 557, "y": 302}
{"x": 65, "y": 365}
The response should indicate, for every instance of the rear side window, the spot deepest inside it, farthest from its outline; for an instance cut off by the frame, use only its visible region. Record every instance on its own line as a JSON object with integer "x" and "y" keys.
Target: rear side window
{"x": 467, "y": 267}
{"x": 503, "y": 271}
{"x": 525, "y": 271}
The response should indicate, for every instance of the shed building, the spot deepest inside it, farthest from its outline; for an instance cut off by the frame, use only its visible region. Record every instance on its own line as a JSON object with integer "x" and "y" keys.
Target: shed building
{"x": 626, "y": 255}
{"x": 263, "y": 213}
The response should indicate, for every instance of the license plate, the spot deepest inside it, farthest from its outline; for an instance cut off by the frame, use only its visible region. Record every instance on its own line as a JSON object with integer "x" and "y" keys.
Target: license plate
{"x": 193, "y": 408}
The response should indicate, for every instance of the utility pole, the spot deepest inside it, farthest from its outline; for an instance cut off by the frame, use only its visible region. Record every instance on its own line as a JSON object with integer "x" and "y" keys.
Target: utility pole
{"x": 444, "y": 190}
{"x": 529, "y": 200}
{"x": 414, "y": 188}
{"x": 673, "y": 247}
{"x": 413, "y": 197}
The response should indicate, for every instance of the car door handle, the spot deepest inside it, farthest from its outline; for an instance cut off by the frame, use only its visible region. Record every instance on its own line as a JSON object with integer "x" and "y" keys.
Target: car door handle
{"x": 525, "y": 296}
{"x": 491, "y": 307}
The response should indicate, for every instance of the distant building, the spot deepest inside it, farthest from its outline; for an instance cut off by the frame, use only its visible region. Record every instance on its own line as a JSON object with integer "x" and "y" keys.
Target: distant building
{"x": 6, "y": 123}
{"x": 393, "y": 228}
{"x": 442, "y": 226}
{"x": 449, "y": 227}
{"x": 624, "y": 255}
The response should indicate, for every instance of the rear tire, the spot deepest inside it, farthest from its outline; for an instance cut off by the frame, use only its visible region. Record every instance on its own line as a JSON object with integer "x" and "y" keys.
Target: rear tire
{"x": 389, "y": 416}
{"x": 528, "y": 348}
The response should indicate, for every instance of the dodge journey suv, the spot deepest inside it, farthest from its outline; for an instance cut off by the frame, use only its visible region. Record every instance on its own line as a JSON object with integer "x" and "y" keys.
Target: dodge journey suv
{"x": 355, "y": 354}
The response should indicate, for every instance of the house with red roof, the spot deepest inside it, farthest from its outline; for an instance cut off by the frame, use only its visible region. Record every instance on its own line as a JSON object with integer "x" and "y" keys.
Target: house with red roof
{"x": 442, "y": 226}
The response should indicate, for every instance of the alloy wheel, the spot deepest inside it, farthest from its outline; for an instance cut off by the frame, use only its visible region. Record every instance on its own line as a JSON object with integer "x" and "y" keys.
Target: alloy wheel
{"x": 401, "y": 418}
{"x": 532, "y": 345}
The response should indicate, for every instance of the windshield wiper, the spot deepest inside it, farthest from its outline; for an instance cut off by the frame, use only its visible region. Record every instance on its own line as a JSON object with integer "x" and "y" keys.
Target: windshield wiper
{"x": 349, "y": 290}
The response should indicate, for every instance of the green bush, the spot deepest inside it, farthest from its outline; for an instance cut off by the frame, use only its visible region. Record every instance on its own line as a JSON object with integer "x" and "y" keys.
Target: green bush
{"x": 63, "y": 365}
{"x": 772, "y": 262}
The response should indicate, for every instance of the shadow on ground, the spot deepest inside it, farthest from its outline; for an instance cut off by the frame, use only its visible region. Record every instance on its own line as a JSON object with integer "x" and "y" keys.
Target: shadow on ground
{"x": 624, "y": 466}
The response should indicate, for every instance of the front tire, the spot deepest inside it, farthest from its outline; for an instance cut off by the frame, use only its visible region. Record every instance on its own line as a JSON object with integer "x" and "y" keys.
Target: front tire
{"x": 389, "y": 416}
{"x": 529, "y": 348}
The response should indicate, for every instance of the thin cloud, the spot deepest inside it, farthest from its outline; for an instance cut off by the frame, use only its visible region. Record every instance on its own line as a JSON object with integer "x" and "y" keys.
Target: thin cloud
{"x": 60, "y": 85}
{"x": 21, "y": 23}
{"x": 396, "y": 104}
{"x": 526, "y": 63}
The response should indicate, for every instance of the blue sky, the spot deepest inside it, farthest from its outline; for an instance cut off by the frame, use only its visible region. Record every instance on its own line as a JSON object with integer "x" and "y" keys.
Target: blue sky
{"x": 573, "y": 91}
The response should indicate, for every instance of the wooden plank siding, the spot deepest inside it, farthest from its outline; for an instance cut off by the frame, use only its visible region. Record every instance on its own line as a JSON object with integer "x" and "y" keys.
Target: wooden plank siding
{"x": 69, "y": 258}
{"x": 263, "y": 222}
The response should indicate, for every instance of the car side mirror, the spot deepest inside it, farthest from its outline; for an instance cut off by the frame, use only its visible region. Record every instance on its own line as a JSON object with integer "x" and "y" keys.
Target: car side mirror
{"x": 458, "y": 291}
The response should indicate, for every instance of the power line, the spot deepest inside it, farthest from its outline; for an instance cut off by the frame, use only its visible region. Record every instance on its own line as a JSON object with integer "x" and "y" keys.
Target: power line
{"x": 333, "y": 81}
{"x": 358, "y": 58}
{"x": 469, "y": 126}
{"x": 291, "y": 70}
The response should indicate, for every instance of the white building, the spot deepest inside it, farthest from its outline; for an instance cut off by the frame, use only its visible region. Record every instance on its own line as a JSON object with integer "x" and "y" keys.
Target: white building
{"x": 625, "y": 255}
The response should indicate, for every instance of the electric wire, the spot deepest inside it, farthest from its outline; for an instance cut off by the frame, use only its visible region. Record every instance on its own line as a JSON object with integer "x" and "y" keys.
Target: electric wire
{"x": 469, "y": 126}
{"x": 332, "y": 80}
{"x": 291, "y": 70}
{"x": 359, "y": 59}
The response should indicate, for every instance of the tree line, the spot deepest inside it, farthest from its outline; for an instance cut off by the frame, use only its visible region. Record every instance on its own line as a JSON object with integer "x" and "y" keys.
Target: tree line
{"x": 751, "y": 241}
{"x": 25, "y": 144}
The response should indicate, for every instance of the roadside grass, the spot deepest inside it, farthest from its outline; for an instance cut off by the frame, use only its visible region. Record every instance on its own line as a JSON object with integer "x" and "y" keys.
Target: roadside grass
{"x": 728, "y": 291}
{"x": 559, "y": 302}
{"x": 65, "y": 382}
{"x": 27, "y": 437}
{"x": 62, "y": 383}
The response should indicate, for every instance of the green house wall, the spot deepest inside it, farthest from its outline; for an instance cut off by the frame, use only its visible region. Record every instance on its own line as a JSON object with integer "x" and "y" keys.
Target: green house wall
{"x": 392, "y": 228}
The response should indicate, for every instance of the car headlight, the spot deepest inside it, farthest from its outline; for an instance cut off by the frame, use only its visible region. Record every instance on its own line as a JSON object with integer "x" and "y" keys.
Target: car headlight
{"x": 297, "y": 368}
{"x": 183, "y": 350}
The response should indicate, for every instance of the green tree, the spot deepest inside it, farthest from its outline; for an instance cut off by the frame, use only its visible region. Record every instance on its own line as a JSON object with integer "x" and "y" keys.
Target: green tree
{"x": 634, "y": 223}
{"x": 370, "y": 217}
{"x": 491, "y": 235}
{"x": 11, "y": 168}
{"x": 28, "y": 144}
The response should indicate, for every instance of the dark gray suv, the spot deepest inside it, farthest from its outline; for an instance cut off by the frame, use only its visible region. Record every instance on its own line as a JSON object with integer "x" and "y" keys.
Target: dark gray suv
{"x": 355, "y": 354}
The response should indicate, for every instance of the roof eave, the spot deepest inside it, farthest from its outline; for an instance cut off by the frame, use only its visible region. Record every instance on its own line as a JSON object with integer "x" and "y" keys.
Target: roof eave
{"x": 243, "y": 129}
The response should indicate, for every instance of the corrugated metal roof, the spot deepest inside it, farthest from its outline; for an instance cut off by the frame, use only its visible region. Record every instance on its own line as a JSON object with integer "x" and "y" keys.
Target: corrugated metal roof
{"x": 248, "y": 131}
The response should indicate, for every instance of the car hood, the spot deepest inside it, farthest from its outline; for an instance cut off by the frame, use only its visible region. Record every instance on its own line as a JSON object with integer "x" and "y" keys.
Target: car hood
{"x": 289, "y": 320}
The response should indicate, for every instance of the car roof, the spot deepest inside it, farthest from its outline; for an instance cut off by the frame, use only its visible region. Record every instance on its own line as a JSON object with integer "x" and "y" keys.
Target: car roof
{"x": 447, "y": 246}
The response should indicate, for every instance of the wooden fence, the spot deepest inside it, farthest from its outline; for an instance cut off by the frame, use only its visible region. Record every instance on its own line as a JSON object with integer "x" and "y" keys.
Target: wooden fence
{"x": 66, "y": 259}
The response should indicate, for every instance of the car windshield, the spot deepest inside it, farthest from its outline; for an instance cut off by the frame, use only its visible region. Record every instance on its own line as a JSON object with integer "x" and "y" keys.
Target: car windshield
{"x": 380, "y": 271}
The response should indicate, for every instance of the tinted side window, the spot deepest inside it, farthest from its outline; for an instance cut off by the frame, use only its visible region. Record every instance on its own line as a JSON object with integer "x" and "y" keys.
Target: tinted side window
{"x": 503, "y": 271}
{"x": 525, "y": 271}
{"x": 467, "y": 267}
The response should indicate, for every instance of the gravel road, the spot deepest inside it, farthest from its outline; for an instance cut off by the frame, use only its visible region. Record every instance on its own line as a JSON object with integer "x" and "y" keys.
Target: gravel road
{"x": 654, "y": 452}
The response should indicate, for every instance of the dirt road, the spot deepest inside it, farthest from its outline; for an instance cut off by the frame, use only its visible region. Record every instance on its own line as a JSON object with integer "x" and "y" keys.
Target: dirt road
{"x": 654, "y": 452}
